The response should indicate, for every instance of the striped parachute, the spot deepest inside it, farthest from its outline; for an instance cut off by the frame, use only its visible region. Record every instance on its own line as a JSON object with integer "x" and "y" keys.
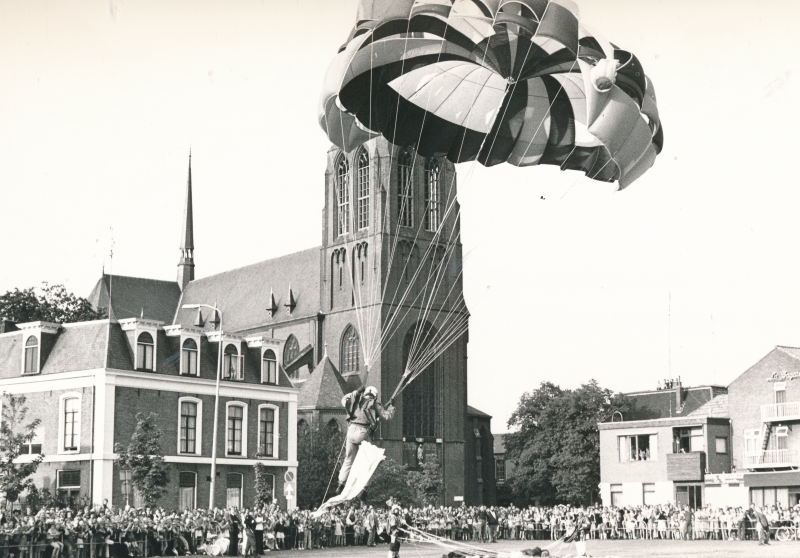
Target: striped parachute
{"x": 517, "y": 81}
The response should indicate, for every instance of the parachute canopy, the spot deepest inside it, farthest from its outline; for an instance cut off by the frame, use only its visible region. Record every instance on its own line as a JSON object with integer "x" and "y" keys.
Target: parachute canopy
{"x": 517, "y": 81}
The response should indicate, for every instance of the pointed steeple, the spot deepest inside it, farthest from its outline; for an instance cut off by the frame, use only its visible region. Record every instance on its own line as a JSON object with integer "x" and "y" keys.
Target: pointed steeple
{"x": 273, "y": 306}
{"x": 186, "y": 263}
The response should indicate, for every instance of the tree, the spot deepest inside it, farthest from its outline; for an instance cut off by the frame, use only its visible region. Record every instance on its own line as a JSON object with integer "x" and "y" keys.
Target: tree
{"x": 318, "y": 450}
{"x": 15, "y": 435}
{"x": 264, "y": 487}
{"x": 390, "y": 480}
{"x": 555, "y": 443}
{"x": 48, "y": 303}
{"x": 144, "y": 458}
{"x": 427, "y": 482}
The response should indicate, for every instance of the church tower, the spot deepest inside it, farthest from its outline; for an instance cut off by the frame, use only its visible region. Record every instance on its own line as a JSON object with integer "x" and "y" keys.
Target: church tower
{"x": 391, "y": 288}
{"x": 186, "y": 262}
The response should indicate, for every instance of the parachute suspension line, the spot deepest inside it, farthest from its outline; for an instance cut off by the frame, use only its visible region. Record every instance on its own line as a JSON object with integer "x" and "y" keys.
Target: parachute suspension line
{"x": 339, "y": 458}
{"x": 483, "y": 143}
{"x": 421, "y": 129}
{"x": 371, "y": 316}
{"x": 348, "y": 248}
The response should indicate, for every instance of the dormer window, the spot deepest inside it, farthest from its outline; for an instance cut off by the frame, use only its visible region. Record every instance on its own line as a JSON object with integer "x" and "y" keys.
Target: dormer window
{"x": 232, "y": 368}
{"x": 269, "y": 367}
{"x": 144, "y": 351}
{"x": 32, "y": 355}
{"x": 189, "y": 356}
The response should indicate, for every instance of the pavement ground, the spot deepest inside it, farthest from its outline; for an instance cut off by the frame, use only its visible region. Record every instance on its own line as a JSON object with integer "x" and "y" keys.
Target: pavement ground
{"x": 597, "y": 548}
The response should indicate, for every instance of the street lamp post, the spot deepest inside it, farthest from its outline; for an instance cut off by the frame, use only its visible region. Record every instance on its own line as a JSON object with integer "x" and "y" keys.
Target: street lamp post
{"x": 212, "y": 488}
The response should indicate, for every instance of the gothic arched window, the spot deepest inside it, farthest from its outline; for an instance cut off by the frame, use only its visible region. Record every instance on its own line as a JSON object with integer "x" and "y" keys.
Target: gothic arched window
{"x": 405, "y": 189}
{"x": 291, "y": 350}
{"x": 32, "y": 355}
{"x": 351, "y": 351}
{"x": 362, "y": 190}
{"x": 144, "y": 351}
{"x": 420, "y": 398}
{"x": 342, "y": 197}
{"x": 433, "y": 195}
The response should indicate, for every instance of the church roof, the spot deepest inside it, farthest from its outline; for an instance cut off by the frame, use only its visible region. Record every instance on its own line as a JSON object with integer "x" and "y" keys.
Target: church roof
{"x": 242, "y": 294}
{"x": 133, "y": 296}
{"x": 324, "y": 388}
{"x": 473, "y": 412}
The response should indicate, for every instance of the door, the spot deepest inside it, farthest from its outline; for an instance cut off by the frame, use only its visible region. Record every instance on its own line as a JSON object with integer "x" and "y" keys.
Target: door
{"x": 186, "y": 490}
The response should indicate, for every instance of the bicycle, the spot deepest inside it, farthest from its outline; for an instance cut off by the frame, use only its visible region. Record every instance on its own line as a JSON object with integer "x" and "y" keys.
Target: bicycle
{"x": 787, "y": 533}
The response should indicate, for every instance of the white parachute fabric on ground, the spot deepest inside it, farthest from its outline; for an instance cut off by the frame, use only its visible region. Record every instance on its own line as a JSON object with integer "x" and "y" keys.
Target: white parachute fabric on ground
{"x": 367, "y": 460}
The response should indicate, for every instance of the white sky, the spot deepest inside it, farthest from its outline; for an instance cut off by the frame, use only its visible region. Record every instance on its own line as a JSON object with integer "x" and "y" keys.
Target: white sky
{"x": 100, "y": 101}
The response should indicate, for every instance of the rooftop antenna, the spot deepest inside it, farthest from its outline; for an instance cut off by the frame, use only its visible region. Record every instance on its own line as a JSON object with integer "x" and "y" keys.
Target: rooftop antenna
{"x": 669, "y": 322}
{"x": 111, "y": 272}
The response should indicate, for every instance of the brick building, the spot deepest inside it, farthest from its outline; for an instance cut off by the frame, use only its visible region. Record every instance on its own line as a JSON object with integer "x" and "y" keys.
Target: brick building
{"x": 675, "y": 438}
{"x": 764, "y": 406}
{"x": 297, "y": 333}
{"x": 730, "y": 446}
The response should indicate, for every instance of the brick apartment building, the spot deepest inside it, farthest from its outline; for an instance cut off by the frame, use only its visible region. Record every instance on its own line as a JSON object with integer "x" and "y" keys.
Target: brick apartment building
{"x": 291, "y": 348}
{"x": 710, "y": 445}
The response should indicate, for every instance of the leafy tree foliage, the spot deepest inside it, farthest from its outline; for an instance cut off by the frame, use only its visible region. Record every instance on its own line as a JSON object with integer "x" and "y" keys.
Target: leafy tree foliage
{"x": 555, "y": 443}
{"x": 145, "y": 459}
{"x": 428, "y": 482}
{"x": 264, "y": 486}
{"x": 15, "y": 433}
{"x": 49, "y": 303}
{"x": 318, "y": 447}
{"x": 390, "y": 480}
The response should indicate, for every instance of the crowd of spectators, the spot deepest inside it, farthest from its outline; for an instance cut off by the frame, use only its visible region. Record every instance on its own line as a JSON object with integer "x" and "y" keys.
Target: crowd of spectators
{"x": 108, "y": 532}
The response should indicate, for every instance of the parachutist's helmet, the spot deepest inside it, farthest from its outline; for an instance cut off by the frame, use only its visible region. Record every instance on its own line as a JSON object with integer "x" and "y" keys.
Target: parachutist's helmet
{"x": 371, "y": 392}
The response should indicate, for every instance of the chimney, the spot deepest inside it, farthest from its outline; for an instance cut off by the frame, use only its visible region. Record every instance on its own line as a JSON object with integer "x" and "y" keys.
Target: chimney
{"x": 7, "y": 325}
{"x": 678, "y": 395}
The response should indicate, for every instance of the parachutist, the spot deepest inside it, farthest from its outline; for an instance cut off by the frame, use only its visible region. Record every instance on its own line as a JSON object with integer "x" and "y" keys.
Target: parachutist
{"x": 363, "y": 413}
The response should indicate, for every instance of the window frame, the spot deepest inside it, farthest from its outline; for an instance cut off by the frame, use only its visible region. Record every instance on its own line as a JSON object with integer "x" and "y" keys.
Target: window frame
{"x": 196, "y": 340}
{"x": 717, "y": 440}
{"x": 363, "y": 189}
{"x": 405, "y": 189}
{"x": 350, "y": 352}
{"x": 194, "y": 487}
{"x": 38, "y": 358}
{"x": 433, "y": 195}
{"x": 500, "y": 466}
{"x": 198, "y": 427}
{"x": 154, "y": 337}
{"x": 227, "y": 358}
{"x": 241, "y": 488}
{"x": 275, "y": 430}
{"x": 626, "y": 439}
{"x": 62, "y": 423}
{"x": 243, "y": 406}
{"x": 37, "y": 440}
{"x": 264, "y": 372}
{"x": 341, "y": 180}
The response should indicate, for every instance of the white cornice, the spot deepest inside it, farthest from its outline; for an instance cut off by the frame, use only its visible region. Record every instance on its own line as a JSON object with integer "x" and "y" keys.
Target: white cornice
{"x": 261, "y": 341}
{"x": 191, "y": 384}
{"x": 44, "y": 327}
{"x": 213, "y": 336}
{"x": 177, "y": 330}
{"x": 129, "y": 324}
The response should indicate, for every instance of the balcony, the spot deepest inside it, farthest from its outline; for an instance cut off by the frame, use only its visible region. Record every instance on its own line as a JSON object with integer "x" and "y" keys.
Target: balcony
{"x": 780, "y": 412}
{"x": 771, "y": 459}
{"x": 686, "y": 466}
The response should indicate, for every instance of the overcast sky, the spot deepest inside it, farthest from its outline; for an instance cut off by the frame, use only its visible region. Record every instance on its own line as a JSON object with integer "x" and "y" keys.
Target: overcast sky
{"x": 100, "y": 102}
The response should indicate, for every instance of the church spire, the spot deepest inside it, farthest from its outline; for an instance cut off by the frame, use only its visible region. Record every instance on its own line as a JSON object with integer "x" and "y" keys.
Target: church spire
{"x": 186, "y": 262}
